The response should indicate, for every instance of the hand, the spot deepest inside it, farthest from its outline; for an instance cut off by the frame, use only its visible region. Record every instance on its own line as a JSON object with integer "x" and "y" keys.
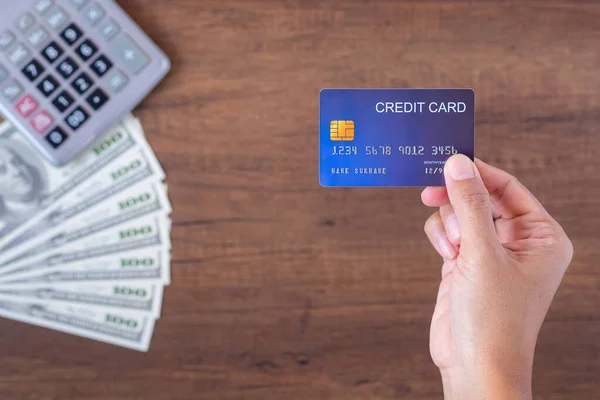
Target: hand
{"x": 504, "y": 258}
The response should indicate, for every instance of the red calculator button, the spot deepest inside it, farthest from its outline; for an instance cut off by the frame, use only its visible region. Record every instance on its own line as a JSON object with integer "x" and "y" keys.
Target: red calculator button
{"x": 41, "y": 122}
{"x": 26, "y": 106}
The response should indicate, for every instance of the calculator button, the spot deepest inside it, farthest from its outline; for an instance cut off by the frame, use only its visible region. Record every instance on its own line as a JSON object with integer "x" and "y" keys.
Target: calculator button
{"x": 33, "y": 70}
{"x": 108, "y": 29}
{"x": 63, "y": 101}
{"x": 57, "y": 18}
{"x": 94, "y": 13}
{"x": 25, "y": 22}
{"x": 26, "y": 106}
{"x": 52, "y": 52}
{"x": 117, "y": 80}
{"x": 48, "y": 85}
{"x": 6, "y": 39}
{"x": 67, "y": 67}
{"x": 12, "y": 90}
{"x": 101, "y": 66}
{"x": 71, "y": 34}
{"x": 82, "y": 83}
{"x": 3, "y": 73}
{"x": 38, "y": 37}
{"x": 41, "y": 121}
{"x": 18, "y": 55}
{"x": 129, "y": 54}
{"x": 86, "y": 50}
{"x": 56, "y": 137}
{"x": 97, "y": 99}
{"x": 77, "y": 118}
{"x": 78, "y": 4}
{"x": 43, "y": 6}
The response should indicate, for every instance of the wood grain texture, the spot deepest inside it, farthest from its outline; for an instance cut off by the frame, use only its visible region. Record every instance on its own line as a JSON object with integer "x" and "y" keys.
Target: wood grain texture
{"x": 284, "y": 290}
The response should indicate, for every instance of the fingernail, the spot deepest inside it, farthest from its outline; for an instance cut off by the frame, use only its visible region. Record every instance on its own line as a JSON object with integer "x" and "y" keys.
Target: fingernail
{"x": 460, "y": 168}
{"x": 448, "y": 250}
{"x": 452, "y": 227}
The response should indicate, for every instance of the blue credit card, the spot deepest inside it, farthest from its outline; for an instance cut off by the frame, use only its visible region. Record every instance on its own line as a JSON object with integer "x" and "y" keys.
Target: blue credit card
{"x": 393, "y": 137}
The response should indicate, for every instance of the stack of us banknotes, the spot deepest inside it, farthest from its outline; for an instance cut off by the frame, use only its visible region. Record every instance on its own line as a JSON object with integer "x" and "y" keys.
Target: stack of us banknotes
{"x": 85, "y": 249}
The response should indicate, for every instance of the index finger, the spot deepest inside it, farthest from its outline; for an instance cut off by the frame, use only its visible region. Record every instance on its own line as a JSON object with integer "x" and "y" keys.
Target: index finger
{"x": 435, "y": 197}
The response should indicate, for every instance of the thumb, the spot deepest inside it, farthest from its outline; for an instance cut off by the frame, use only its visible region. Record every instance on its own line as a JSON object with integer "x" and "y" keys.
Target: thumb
{"x": 471, "y": 202}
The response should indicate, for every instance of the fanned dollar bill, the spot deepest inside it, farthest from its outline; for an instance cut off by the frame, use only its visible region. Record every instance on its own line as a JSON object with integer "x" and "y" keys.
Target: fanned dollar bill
{"x": 85, "y": 249}
{"x": 31, "y": 188}
{"x": 29, "y": 185}
{"x": 146, "y": 265}
{"x": 145, "y": 231}
{"x": 143, "y": 198}
{"x": 134, "y": 165}
{"x": 144, "y": 298}
{"x": 117, "y": 327}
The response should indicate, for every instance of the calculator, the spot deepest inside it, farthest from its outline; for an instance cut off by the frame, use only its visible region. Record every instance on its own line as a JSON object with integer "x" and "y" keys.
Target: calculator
{"x": 71, "y": 69}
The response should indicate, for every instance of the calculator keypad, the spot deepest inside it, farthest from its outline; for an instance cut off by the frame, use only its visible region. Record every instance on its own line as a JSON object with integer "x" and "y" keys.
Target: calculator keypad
{"x": 18, "y": 55}
{"x": 71, "y": 34}
{"x": 97, "y": 99}
{"x": 67, "y": 67}
{"x": 77, "y": 118}
{"x": 25, "y": 22}
{"x": 56, "y": 137}
{"x": 108, "y": 29}
{"x": 57, "y": 18}
{"x": 94, "y": 13}
{"x": 66, "y": 75}
{"x": 7, "y": 38}
{"x": 78, "y": 4}
{"x": 83, "y": 83}
{"x": 86, "y": 50}
{"x": 11, "y": 91}
{"x": 41, "y": 121}
{"x": 42, "y": 6}
{"x": 117, "y": 81}
{"x": 26, "y": 106}
{"x": 129, "y": 54}
{"x": 38, "y": 37}
{"x": 48, "y": 86}
{"x": 63, "y": 101}
{"x": 33, "y": 70}
{"x": 101, "y": 66}
{"x": 52, "y": 52}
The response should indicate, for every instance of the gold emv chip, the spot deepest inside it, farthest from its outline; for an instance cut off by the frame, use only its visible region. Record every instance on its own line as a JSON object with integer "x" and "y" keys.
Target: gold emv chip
{"x": 342, "y": 131}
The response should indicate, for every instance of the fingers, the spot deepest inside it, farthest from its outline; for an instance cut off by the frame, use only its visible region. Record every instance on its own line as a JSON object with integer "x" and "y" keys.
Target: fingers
{"x": 471, "y": 202}
{"x": 510, "y": 198}
{"x": 435, "y": 197}
{"x": 450, "y": 222}
{"x": 434, "y": 228}
{"x": 447, "y": 268}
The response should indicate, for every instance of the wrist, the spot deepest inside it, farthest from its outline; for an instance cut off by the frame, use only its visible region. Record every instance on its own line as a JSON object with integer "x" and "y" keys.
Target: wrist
{"x": 488, "y": 381}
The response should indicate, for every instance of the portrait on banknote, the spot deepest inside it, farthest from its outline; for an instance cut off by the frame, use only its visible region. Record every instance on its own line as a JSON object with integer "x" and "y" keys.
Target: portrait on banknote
{"x": 23, "y": 183}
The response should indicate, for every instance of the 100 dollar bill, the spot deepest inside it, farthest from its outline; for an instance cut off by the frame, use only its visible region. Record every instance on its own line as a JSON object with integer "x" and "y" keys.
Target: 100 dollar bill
{"x": 146, "y": 265}
{"x": 134, "y": 165}
{"x": 122, "y": 328}
{"x": 140, "y": 297}
{"x": 142, "y": 199}
{"x": 29, "y": 184}
{"x": 142, "y": 232}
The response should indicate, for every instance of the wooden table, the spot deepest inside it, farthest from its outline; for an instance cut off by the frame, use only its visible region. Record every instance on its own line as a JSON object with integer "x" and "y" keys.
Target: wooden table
{"x": 284, "y": 290}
